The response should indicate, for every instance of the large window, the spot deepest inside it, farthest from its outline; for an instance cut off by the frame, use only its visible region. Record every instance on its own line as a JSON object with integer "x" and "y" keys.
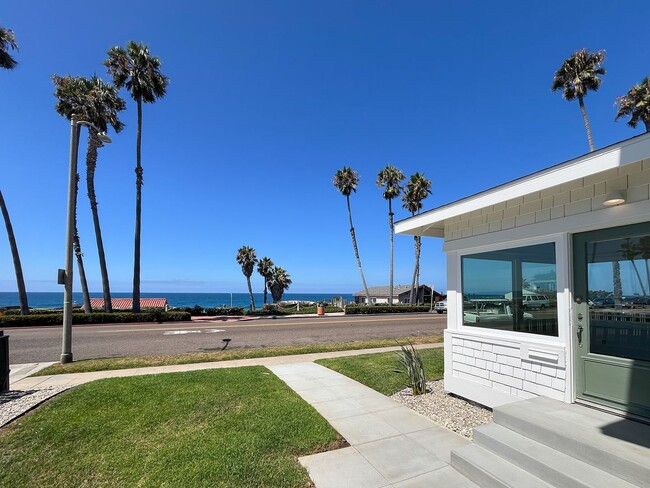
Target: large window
{"x": 511, "y": 289}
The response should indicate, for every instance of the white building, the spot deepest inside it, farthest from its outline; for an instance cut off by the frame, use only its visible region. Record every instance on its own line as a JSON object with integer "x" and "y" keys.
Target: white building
{"x": 576, "y": 231}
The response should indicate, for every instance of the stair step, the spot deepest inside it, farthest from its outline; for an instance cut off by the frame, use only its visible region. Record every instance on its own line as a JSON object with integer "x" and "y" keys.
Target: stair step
{"x": 546, "y": 463}
{"x": 488, "y": 470}
{"x": 616, "y": 445}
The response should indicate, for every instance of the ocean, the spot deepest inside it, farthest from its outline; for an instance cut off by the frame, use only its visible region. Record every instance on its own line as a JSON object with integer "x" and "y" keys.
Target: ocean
{"x": 55, "y": 299}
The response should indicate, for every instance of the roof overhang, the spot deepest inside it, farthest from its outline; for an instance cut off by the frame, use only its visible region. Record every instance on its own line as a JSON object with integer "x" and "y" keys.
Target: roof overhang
{"x": 432, "y": 222}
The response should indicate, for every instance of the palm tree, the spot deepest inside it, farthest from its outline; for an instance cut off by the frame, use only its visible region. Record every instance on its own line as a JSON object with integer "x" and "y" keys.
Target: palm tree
{"x": 629, "y": 251}
{"x": 98, "y": 103}
{"x": 20, "y": 281}
{"x": 578, "y": 74}
{"x": 265, "y": 269}
{"x": 140, "y": 73}
{"x": 8, "y": 40}
{"x": 636, "y": 104}
{"x": 644, "y": 248}
{"x": 246, "y": 258}
{"x": 416, "y": 190}
{"x": 346, "y": 181}
{"x": 389, "y": 179}
{"x": 278, "y": 283}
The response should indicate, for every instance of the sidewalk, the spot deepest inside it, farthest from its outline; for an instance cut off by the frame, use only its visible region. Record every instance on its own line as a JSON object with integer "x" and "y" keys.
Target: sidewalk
{"x": 390, "y": 445}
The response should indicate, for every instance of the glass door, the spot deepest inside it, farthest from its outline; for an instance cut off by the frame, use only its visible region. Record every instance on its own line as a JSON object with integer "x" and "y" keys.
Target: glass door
{"x": 612, "y": 317}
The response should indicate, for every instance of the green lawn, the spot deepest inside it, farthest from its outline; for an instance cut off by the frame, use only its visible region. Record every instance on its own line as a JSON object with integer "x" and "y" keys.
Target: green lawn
{"x": 376, "y": 370}
{"x": 239, "y": 427}
{"x": 145, "y": 361}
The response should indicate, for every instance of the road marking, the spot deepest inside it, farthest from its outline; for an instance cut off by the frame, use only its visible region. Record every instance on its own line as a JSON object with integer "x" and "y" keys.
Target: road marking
{"x": 182, "y": 332}
{"x": 280, "y": 322}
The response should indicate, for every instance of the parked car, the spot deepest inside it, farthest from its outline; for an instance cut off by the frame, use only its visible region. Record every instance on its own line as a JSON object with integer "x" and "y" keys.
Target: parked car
{"x": 491, "y": 312}
{"x": 603, "y": 302}
{"x": 441, "y": 306}
{"x": 635, "y": 302}
{"x": 535, "y": 301}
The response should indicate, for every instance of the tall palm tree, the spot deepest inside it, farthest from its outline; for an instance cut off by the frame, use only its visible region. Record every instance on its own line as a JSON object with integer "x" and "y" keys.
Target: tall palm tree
{"x": 279, "y": 283}
{"x": 96, "y": 102}
{"x": 636, "y": 104}
{"x": 76, "y": 246}
{"x": 346, "y": 181}
{"x": 576, "y": 77}
{"x": 7, "y": 61}
{"x": 7, "y": 41}
{"x": 629, "y": 251}
{"x": 140, "y": 73}
{"x": 246, "y": 258}
{"x": 417, "y": 189}
{"x": 389, "y": 179}
{"x": 265, "y": 269}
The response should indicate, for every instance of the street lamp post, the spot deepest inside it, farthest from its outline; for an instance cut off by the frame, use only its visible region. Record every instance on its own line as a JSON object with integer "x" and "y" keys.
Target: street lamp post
{"x": 66, "y": 350}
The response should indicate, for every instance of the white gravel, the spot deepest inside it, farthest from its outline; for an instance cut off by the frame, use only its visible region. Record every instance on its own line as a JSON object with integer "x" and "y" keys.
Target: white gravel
{"x": 13, "y": 404}
{"x": 450, "y": 411}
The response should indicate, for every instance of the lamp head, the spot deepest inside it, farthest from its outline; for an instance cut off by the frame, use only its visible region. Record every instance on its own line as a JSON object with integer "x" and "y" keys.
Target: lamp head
{"x": 104, "y": 138}
{"x": 614, "y": 198}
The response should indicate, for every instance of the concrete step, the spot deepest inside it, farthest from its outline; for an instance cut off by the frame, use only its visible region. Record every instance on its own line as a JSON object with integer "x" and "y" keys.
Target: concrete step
{"x": 488, "y": 470}
{"x": 614, "y": 444}
{"x": 546, "y": 463}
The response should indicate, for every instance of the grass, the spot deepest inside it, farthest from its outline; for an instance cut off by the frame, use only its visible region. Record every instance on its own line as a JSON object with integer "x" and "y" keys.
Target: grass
{"x": 85, "y": 366}
{"x": 239, "y": 427}
{"x": 376, "y": 370}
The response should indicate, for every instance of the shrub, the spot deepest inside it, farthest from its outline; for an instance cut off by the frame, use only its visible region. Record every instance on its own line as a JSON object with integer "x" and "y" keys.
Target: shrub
{"x": 409, "y": 362}
{"x": 354, "y": 308}
{"x": 93, "y": 318}
{"x": 225, "y": 311}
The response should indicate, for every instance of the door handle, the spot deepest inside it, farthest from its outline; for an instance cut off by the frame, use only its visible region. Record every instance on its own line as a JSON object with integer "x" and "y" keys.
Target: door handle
{"x": 580, "y": 335}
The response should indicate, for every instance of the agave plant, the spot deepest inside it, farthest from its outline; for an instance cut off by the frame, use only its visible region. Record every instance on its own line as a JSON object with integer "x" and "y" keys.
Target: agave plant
{"x": 409, "y": 362}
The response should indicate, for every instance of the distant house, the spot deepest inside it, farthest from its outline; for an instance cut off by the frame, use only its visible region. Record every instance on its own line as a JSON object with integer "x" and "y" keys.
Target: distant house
{"x": 401, "y": 294}
{"x": 127, "y": 303}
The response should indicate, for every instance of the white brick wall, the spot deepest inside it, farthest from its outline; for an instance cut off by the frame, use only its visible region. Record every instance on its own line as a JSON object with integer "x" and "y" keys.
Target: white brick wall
{"x": 571, "y": 198}
{"x": 507, "y": 367}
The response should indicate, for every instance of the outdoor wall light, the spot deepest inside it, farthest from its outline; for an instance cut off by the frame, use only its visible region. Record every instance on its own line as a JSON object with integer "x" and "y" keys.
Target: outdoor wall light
{"x": 614, "y": 198}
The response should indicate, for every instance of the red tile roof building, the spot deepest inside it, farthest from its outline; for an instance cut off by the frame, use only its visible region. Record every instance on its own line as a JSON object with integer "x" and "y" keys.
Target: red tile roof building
{"x": 127, "y": 303}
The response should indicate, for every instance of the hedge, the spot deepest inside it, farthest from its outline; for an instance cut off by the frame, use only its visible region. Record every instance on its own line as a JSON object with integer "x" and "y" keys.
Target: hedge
{"x": 198, "y": 310}
{"x": 352, "y": 309}
{"x": 275, "y": 310}
{"x": 92, "y": 318}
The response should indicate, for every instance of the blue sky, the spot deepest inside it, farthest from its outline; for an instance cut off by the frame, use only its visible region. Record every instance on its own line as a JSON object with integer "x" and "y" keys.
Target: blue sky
{"x": 267, "y": 100}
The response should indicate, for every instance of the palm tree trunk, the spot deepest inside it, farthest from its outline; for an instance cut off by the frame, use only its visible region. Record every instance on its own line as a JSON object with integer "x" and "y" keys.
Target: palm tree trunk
{"x": 20, "y": 281}
{"x": 265, "y": 290}
{"x": 616, "y": 278}
{"x": 138, "y": 213}
{"x": 638, "y": 276}
{"x": 415, "y": 269}
{"x": 250, "y": 293}
{"x": 392, "y": 238}
{"x": 356, "y": 252}
{"x": 76, "y": 245}
{"x": 647, "y": 125}
{"x": 91, "y": 163}
{"x": 583, "y": 110}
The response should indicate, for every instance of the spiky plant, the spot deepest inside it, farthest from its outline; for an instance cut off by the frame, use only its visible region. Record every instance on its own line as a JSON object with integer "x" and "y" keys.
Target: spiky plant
{"x": 409, "y": 363}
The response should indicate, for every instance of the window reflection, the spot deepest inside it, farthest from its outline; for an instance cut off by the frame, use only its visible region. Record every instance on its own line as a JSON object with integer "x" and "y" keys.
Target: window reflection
{"x": 618, "y": 280}
{"x": 511, "y": 289}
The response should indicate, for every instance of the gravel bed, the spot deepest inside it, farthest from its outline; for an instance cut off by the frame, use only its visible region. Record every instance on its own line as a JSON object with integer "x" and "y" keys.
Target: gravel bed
{"x": 13, "y": 404}
{"x": 450, "y": 411}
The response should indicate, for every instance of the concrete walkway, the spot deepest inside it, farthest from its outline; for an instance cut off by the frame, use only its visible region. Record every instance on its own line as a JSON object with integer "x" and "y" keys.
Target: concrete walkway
{"x": 390, "y": 444}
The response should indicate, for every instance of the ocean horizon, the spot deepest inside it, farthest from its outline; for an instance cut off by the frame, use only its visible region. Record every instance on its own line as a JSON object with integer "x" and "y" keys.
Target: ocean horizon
{"x": 55, "y": 299}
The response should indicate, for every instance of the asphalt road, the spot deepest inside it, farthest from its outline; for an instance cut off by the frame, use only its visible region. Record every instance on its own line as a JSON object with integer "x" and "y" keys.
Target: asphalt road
{"x": 38, "y": 344}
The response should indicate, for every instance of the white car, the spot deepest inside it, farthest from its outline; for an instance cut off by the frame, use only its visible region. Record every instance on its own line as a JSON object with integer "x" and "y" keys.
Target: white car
{"x": 441, "y": 306}
{"x": 491, "y": 313}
